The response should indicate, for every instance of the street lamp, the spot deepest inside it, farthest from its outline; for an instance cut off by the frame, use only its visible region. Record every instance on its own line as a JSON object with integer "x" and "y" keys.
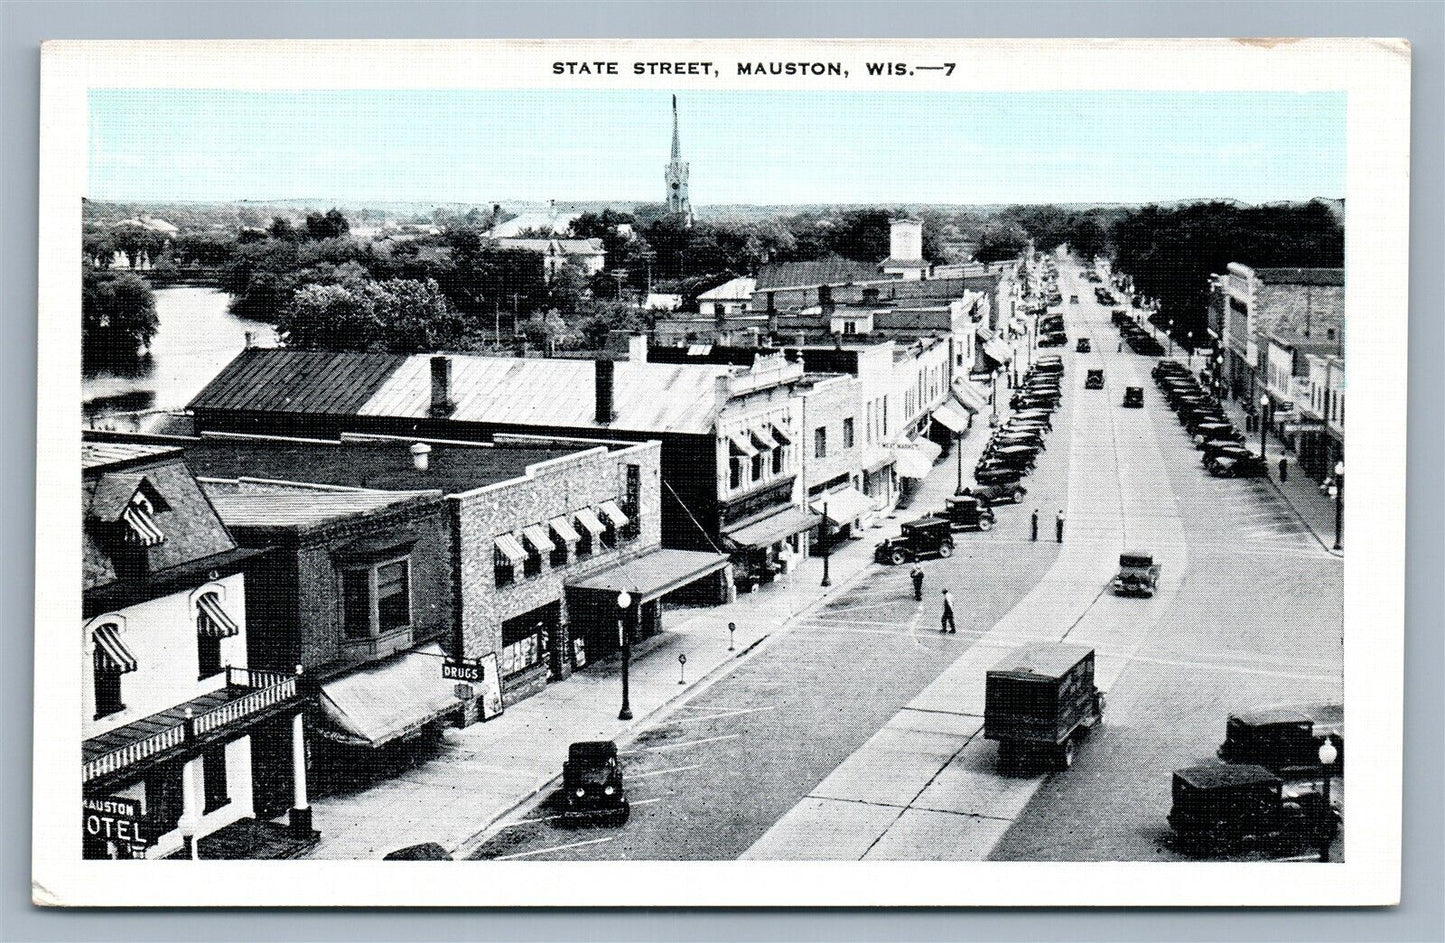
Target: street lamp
{"x": 1337, "y": 491}
{"x": 827, "y": 545}
{"x": 1263, "y": 424}
{"x": 958, "y": 454}
{"x": 624, "y": 602}
{"x": 1189, "y": 341}
{"x": 1169, "y": 329}
{"x": 1327, "y": 756}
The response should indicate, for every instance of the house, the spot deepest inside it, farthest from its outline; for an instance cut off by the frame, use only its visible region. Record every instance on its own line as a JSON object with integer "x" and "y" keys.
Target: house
{"x": 587, "y": 254}
{"x": 729, "y": 298}
{"x": 661, "y": 301}
{"x": 188, "y": 748}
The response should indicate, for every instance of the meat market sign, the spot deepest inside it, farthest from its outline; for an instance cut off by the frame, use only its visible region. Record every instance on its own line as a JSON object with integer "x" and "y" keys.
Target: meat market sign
{"x": 117, "y": 820}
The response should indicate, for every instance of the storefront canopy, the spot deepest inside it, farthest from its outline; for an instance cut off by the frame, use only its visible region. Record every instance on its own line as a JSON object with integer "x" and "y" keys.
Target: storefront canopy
{"x": 844, "y": 505}
{"x": 653, "y": 574}
{"x": 917, "y": 458}
{"x": 952, "y": 418}
{"x": 774, "y": 528}
{"x": 997, "y": 351}
{"x": 377, "y": 705}
{"x": 969, "y": 396}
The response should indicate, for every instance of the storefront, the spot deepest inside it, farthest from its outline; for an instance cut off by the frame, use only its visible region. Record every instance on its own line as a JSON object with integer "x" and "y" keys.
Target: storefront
{"x": 846, "y": 510}
{"x": 769, "y": 546}
{"x": 649, "y": 582}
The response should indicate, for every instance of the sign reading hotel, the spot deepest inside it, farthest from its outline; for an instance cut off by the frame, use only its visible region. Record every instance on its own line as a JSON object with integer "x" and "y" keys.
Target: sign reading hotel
{"x": 117, "y": 820}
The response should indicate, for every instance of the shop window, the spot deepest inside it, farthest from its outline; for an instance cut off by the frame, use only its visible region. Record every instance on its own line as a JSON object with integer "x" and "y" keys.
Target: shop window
{"x": 609, "y": 535}
{"x": 213, "y": 776}
{"x": 524, "y": 644}
{"x": 820, "y": 442}
{"x": 376, "y": 599}
{"x": 848, "y": 433}
{"x": 393, "y": 596}
{"x": 778, "y": 460}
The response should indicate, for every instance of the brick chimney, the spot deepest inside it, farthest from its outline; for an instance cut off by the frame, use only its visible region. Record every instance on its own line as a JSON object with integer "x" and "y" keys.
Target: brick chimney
{"x": 441, "y": 387}
{"x": 604, "y": 384}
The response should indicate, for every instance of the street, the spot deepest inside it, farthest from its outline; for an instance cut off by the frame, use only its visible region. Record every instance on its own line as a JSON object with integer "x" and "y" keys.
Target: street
{"x": 855, "y": 732}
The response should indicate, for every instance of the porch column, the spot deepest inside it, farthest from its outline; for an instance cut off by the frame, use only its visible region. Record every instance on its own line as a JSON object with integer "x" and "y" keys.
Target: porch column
{"x": 300, "y": 806}
{"x": 190, "y": 822}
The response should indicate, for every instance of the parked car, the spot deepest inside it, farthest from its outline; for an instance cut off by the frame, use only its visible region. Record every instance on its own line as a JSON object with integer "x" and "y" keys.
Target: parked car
{"x": 1286, "y": 739}
{"x": 1227, "y": 466}
{"x": 592, "y": 786}
{"x": 1138, "y": 574}
{"x": 1216, "y": 431}
{"x": 1231, "y": 807}
{"x": 1054, "y": 340}
{"x": 1018, "y": 435}
{"x": 1041, "y": 698}
{"x": 1218, "y": 449}
{"x": 1073, "y": 299}
{"x": 998, "y": 475}
{"x": 426, "y": 851}
{"x": 1094, "y": 380}
{"x": 967, "y": 512}
{"x": 923, "y": 539}
{"x": 1020, "y": 456}
{"x": 1083, "y": 346}
{"x": 997, "y": 494}
{"x": 1134, "y": 397}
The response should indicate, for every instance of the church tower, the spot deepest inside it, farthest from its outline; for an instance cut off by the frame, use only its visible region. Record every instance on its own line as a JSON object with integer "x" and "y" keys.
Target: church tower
{"x": 676, "y": 174}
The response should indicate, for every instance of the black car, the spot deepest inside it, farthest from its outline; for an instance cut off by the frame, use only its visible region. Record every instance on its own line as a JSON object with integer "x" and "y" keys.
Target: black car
{"x": 1015, "y": 435}
{"x": 426, "y": 851}
{"x": 1213, "y": 449}
{"x": 592, "y": 783}
{"x": 997, "y": 494}
{"x": 998, "y": 475}
{"x": 1134, "y": 397}
{"x": 1216, "y": 431}
{"x": 1226, "y": 466}
{"x": 1286, "y": 739}
{"x": 966, "y": 512}
{"x": 917, "y": 540}
{"x": 1054, "y": 340}
{"x": 1229, "y": 807}
{"x": 1095, "y": 380}
{"x": 1083, "y": 345}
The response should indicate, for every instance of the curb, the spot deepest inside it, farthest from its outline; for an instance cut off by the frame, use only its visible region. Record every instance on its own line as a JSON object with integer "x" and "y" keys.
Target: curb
{"x": 1325, "y": 544}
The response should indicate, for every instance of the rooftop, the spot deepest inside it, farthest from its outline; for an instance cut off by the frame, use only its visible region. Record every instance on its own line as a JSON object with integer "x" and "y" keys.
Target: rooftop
{"x": 97, "y": 455}
{"x": 737, "y": 289}
{"x": 1301, "y": 276}
{"x": 247, "y": 504}
{"x": 269, "y": 379}
{"x": 820, "y": 272}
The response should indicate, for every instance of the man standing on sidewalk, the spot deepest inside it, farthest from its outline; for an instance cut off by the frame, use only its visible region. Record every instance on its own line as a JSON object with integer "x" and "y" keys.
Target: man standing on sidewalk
{"x": 946, "y": 623}
{"x": 1283, "y": 469}
{"x": 917, "y": 576}
{"x": 1059, "y": 526}
{"x": 1034, "y": 526}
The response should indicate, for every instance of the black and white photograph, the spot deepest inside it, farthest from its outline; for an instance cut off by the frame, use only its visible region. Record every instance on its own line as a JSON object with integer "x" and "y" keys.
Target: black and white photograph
{"x": 925, "y": 456}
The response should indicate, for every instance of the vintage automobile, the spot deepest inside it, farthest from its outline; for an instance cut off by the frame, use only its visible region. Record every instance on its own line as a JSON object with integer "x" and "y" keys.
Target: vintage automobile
{"x": 1073, "y": 299}
{"x": 1017, "y": 456}
{"x": 1048, "y": 401}
{"x": 1017, "y": 435}
{"x": 922, "y": 539}
{"x": 1082, "y": 345}
{"x": 998, "y": 475}
{"x": 967, "y": 512}
{"x": 1038, "y": 416}
{"x": 1228, "y": 466}
{"x": 426, "y": 851}
{"x": 1041, "y": 699}
{"x": 1119, "y": 316}
{"x": 1054, "y": 339}
{"x": 1286, "y": 739}
{"x": 1215, "y": 449}
{"x": 1138, "y": 574}
{"x": 1232, "y": 807}
{"x": 592, "y": 786}
{"x": 996, "y": 494}
{"x": 1095, "y": 380}
{"x": 1215, "y": 432}
{"x": 1134, "y": 397}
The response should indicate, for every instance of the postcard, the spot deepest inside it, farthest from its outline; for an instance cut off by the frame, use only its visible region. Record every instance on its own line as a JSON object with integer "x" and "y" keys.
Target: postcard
{"x": 707, "y": 473}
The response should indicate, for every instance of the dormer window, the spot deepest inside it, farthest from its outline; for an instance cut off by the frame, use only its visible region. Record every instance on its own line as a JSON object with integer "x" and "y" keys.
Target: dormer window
{"x": 140, "y": 525}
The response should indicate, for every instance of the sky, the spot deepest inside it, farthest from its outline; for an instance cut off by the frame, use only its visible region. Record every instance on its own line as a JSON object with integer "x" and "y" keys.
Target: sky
{"x": 479, "y": 147}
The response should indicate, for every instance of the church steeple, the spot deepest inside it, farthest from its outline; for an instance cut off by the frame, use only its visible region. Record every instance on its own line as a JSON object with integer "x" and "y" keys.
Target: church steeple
{"x": 676, "y": 174}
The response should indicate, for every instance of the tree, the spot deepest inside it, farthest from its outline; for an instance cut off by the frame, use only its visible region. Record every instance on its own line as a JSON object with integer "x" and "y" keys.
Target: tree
{"x": 328, "y": 225}
{"x": 118, "y": 318}
{"x": 281, "y": 228}
{"x": 98, "y": 247}
{"x": 543, "y": 330}
{"x": 210, "y": 249}
{"x": 139, "y": 244}
{"x": 400, "y": 316}
{"x": 1087, "y": 237}
{"x": 1000, "y": 241}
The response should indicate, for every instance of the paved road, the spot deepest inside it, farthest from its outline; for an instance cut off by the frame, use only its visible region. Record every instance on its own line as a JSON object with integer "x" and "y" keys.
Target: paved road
{"x": 856, "y": 734}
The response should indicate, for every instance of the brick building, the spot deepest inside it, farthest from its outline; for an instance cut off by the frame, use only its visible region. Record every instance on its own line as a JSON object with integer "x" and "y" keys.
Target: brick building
{"x": 1252, "y": 303}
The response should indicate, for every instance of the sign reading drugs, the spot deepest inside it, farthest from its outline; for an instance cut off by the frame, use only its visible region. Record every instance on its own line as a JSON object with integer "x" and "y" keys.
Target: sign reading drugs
{"x": 117, "y": 820}
{"x": 457, "y": 670}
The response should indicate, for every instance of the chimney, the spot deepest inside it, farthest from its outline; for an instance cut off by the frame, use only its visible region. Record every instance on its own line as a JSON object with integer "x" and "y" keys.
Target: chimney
{"x": 722, "y": 391}
{"x": 637, "y": 348}
{"x": 604, "y": 383}
{"x": 250, "y": 338}
{"x": 441, "y": 387}
{"x": 825, "y": 299}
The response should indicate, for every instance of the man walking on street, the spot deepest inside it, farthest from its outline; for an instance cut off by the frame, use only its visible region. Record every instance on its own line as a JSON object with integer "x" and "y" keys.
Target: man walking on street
{"x": 1283, "y": 470}
{"x": 917, "y": 576}
{"x": 1034, "y": 526}
{"x": 946, "y": 624}
{"x": 1059, "y": 527}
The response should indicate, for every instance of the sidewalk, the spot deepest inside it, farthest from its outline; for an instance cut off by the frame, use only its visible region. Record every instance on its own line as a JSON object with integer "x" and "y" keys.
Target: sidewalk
{"x": 484, "y": 771}
{"x": 1315, "y": 509}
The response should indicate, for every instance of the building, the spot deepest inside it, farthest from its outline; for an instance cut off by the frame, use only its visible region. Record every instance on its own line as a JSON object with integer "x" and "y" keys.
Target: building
{"x": 1252, "y": 303}
{"x": 589, "y": 255}
{"x": 729, "y": 298}
{"x": 905, "y": 251}
{"x": 675, "y": 176}
{"x": 550, "y": 223}
{"x": 1321, "y": 424}
{"x": 188, "y": 748}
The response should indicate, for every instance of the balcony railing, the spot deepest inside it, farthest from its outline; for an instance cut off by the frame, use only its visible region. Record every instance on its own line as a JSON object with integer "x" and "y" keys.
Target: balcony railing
{"x": 248, "y": 691}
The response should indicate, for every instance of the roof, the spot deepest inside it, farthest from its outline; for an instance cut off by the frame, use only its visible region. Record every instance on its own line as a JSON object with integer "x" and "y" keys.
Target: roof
{"x": 96, "y": 455}
{"x": 268, "y": 379}
{"x": 809, "y": 274}
{"x": 737, "y": 289}
{"x": 1301, "y": 276}
{"x": 1042, "y": 659}
{"x": 654, "y": 574}
{"x": 903, "y": 263}
{"x": 567, "y": 246}
{"x": 551, "y": 222}
{"x": 1226, "y": 774}
{"x": 253, "y": 505}
{"x": 556, "y": 394}
{"x": 1329, "y": 715}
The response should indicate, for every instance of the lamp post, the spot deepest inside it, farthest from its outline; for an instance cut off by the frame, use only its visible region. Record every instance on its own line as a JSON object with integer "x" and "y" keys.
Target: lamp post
{"x": 624, "y": 602}
{"x": 1263, "y": 423}
{"x": 1189, "y": 341}
{"x": 827, "y": 545}
{"x": 1219, "y": 374}
{"x": 1169, "y": 329}
{"x": 1327, "y": 756}
{"x": 958, "y": 454}
{"x": 1337, "y": 491}
{"x": 996, "y": 375}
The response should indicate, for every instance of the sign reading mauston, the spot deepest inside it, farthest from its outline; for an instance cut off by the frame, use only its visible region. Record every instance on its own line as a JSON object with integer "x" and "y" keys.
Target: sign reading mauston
{"x": 117, "y": 820}
{"x": 374, "y": 241}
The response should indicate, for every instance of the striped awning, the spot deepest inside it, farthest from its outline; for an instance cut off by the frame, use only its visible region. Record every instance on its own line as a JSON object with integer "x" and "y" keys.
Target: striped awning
{"x": 143, "y": 530}
{"x": 588, "y": 519}
{"x": 951, "y": 418}
{"x": 110, "y": 652}
{"x": 535, "y": 535}
{"x": 613, "y": 513}
{"x": 742, "y": 445}
{"x": 969, "y": 396}
{"x": 779, "y": 436}
{"x": 998, "y": 351}
{"x": 510, "y": 547}
{"x": 761, "y": 439}
{"x": 563, "y": 528}
{"x": 212, "y": 620}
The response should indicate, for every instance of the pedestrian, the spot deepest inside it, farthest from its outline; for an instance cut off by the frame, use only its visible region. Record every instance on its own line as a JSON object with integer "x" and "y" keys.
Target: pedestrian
{"x": 917, "y": 576}
{"x": 1059, "y": 527}
{"x": 946, "y": 623}
{"x": 1034, "y": 526}
{"x": 1283, "y": 469}
{"x": 1121, "y": 346}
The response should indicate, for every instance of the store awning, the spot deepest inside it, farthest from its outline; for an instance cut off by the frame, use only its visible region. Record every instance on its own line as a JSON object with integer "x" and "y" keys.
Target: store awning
{"x": 537, "y": 537}
{"x": 111, "y": 654}
{"x": 844, "y": 505}
{"x": 997, "y": 351}
{"x": 564, "y": 530}
{"x": 984, "y": 333}
{"x": 876, "y": 459}
{"x": 970, "y": 397}
{"x": 397, "y": 697}
{"x": 779, "y": 436}
{"x": 653, "y": 574}
{"x": 952, "y": 418}
{"x": 613, "y": 513}
{"x": 742, "y": 445}
{"x": 912, "y": 464}
{"x": 213, "y": 621}
{"x": 510, "y": 547}
{"x": 772, "y": 529}
{"x": 761, "y": 439}
{"x": 588, "y": 519}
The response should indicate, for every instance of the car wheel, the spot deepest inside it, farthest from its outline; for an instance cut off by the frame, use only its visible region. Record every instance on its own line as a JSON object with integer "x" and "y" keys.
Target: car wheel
{"x": 945, "y": 550}
{"x": 1066, "y": 753}
{"x": 1018, "y": 497}
{"x": 985, "y": 524}
{"x": 898, "y": 558}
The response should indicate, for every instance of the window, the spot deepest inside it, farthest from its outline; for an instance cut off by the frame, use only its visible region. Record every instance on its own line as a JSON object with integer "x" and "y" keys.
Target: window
{"x": 735, "y": 473}
{"x": 502, "y": 567}
{"x": 850, "y": 327}
{"x": 213, "y": 776}
{"x": 208, "y": 651}
{"x": 820, "y": 442}
{"x": 885, "y": 416}
{"x": 558, "y": 557}
{"x": 393, "y": 596}
{"x": 778, "y": 460}
{"x": 376, "y": 599}
{"x": 848, "y": 433}
{"x": 165, "y": 797}
{"x": 107, "y": 692}
{"x": 757, "y": 467}
{"x": 584, "y": 543}
{"x": 111, "y": 660}
{"x": 356, "y": 602}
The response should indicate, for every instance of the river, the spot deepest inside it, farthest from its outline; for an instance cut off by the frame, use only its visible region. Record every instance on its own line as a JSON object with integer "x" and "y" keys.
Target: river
{"x": 197, "y": 337}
